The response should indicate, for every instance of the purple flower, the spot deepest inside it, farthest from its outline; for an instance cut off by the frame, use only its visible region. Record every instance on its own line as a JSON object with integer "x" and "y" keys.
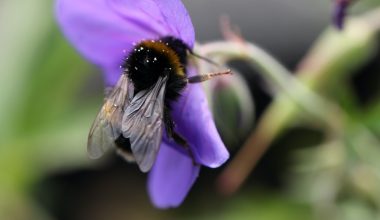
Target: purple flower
{"x": 101, "y": 30}
{"x": 339, "y": 13}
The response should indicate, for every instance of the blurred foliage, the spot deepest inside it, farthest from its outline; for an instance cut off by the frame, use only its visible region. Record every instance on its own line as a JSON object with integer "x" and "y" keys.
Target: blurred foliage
{"x": 42, "y": 121}
{"x": 233, "y": 107}
{"x": 49, "y": 96}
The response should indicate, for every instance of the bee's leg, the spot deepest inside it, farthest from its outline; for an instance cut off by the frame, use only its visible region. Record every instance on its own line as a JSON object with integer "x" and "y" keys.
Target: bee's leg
{"x": 169, "y": 125}
{"x": 181, "y": 141}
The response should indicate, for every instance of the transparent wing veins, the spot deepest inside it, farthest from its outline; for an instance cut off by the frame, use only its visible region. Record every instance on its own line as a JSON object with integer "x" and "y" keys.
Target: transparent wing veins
{"x": 143, "y": 123}
{"x": 106, "y": 128}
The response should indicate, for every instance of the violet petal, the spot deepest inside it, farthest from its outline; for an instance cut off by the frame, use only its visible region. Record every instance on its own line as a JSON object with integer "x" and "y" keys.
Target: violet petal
{"x": 171, "y": 177}
{"x": 102, "y": 29}
{"x": 339, "y": 13}
{"x": 195, "y": 123}
{"x": 178, "y": 19}
{"x": 111, "y": 75}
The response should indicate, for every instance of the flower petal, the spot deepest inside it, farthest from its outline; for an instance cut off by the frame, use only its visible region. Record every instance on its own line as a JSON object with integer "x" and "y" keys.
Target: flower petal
{"x": 178, "y": 19}
{"x": 171, "y": 178}
{"x": 195, "y": 123}
{"x": 111, "y": 75}
{"x": 102, "y": 29}
{"x": 339, "y": 13}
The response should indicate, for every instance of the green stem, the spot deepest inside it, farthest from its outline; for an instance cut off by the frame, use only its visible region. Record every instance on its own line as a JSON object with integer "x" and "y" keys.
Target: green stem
{"x": 278, "y": 76}
{"x": 320, "y": 71}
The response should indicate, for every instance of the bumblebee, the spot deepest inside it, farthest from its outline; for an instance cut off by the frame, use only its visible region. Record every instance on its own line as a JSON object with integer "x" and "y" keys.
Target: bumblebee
{"x": 137, "y": 109}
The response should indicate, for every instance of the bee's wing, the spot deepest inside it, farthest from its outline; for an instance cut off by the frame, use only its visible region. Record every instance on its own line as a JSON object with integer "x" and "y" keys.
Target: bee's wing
{"x": 107, "y": 126}
{"x": 143, "y": 124}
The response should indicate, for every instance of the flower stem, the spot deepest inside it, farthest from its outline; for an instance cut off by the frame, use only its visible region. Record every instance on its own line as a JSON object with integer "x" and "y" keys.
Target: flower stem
{"x": 322, "y": 68}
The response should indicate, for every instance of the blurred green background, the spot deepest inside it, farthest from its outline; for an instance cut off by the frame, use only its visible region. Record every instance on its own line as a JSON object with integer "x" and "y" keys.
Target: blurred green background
{"x": 49, "y": 96}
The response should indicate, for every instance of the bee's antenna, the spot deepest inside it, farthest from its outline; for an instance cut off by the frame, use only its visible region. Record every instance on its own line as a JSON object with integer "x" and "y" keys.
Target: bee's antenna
{"x": 204, "y": 58}
{"x": 205, "y": 77}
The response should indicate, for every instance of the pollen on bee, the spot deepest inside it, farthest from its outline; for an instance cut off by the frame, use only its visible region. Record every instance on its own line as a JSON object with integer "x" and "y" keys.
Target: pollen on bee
{"x": 108, "y": 108}
{"x": 163, "y": 49}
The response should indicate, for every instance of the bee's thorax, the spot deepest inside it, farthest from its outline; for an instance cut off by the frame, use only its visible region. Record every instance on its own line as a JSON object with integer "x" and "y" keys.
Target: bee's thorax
{"x": 152, "y": 59}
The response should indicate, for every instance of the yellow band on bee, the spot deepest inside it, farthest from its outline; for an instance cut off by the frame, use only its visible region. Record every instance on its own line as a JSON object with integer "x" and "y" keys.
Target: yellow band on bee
{"x": 172, "y": 56}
